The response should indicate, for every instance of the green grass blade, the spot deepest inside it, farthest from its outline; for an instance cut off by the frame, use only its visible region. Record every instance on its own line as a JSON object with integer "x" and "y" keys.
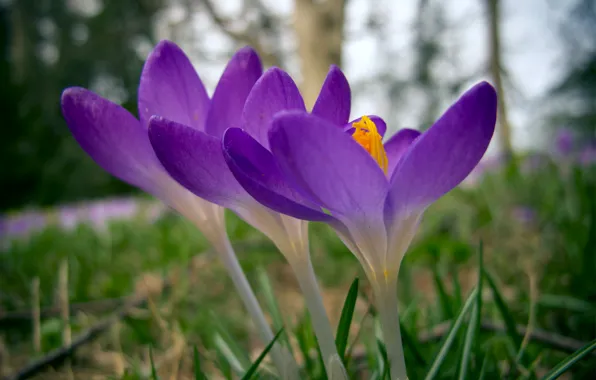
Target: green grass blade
{"x": 457, "y": 295}
{"x": 384, "y": 360}
{"x": 572, "y": 304}
{"x": 227, "y": 353}
{"x": 504, "y": 311}
{"x": 434, "y": 368}
{"x": 305, "y": 337}
{"x": 345, "y": 321}
{"x": 443, "y": 296}
{"x": 228, "y": 346}
{"x": 468, "y": 343}
{"x": 272, "y": 305}
{"x": 480, "y": 285}
{"x": 196, "y": 363}
{"x": 569, "y": 361}
{"x": 253, "y": 368}
{"x": 223, "y": 365}
{"x": 474, "y": 325}
{"x": 484, "y": 367}
{"x": 153, "y": 370}
{"x": 409, "y": 342}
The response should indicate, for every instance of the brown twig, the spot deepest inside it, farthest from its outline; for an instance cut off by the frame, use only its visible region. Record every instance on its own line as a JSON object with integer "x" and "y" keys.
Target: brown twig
{"x": 131, "y": 303}
{"x": 65, "y": 311}
{"x": 35, "y": 315}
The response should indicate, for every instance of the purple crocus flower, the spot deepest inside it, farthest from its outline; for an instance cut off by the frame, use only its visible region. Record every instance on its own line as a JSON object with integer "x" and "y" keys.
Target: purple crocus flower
{"x": 195, "y": 159}
{"x": 372, "y": 194}
{"x": 119, "y": 143}
{"x": 309, "y": 165}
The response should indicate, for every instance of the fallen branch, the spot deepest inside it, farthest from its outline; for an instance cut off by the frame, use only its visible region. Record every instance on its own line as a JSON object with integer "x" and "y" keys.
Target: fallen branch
{"x": 554, "y": 340}
{"x": 98, "y": 306}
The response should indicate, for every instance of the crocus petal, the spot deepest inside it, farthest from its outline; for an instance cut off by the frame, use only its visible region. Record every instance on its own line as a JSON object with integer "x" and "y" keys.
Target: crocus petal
{"x": 329, "y": 165}
{"x": 231, "y": 92}
{"x": 195, "y": 160}
{"x": 111, "y": 136}
{"x": 171, "y": 88}
{"x": 275, "y": 91}
{"x": 397, "y": 146}
{"x": 334, "y": 101}
{"x": 445, "y": 154}
{"x": 380, "y": 123}
{"x": 256, "y": 170}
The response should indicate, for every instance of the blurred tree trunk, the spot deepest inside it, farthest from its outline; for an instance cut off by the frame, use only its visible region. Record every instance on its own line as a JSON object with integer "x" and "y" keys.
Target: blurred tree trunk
{"x": 18, "y": 48}
{"x": 319, "y": 28}
{"x": 494, "y": 35}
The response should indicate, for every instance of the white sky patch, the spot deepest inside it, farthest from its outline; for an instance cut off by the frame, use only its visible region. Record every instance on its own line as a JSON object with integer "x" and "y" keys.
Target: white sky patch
{"x": 530, "y": 43}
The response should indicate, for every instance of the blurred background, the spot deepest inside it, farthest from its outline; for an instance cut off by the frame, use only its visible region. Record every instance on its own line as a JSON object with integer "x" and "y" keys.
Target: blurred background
{"x": 66, "y": 224}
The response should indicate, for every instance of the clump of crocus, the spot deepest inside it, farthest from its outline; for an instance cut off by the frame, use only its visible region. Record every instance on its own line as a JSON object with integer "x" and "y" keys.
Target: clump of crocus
{"x": 564, "y": 141}
{"x": 587, "y": 156}
{"x": 372, "y": 194}
{"x": 119, "y": 143}
{"x": 195, "y": 159}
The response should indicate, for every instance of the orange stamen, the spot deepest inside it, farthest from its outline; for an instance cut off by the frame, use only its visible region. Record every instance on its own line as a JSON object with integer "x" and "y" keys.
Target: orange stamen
{"x": 367, "y": 135}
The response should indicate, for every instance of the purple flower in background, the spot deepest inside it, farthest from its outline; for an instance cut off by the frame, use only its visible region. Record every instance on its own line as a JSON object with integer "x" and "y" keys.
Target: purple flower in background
{"x": 524, "y": 214}
{"x": 564, "y": 141}
{"x": 485, "y": 166}
{"x": 587, "y": 156}
{"x": 100, "y": 213}
{"x": 534, "y": 162}
{"x": 373, "y": 197}
{"x": 69, "y": 217}
{"x": 22, "y": 224}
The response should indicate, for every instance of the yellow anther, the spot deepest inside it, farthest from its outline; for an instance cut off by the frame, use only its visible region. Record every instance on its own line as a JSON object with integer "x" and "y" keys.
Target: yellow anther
{"x": 367, "y": 135}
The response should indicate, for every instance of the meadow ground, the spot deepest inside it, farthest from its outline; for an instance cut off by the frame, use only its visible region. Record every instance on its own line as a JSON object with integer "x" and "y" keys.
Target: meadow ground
{"x": 538, "y": 229}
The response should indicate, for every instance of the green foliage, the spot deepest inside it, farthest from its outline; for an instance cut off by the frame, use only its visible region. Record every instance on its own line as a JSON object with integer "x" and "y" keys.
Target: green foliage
{"x": 196, "y": 360}
{"x": 98, "y": 50}
{"x": 569, "y": 361}
{"x": 151, "y": 362}
{"x": 272, "y": 305}
{"x": 345, "y": 320}
{"x": 255, "y": 365}
{"x": 555, "y": 244}
{"x": 578, "y": 83}
{"x": 474, "y": 323}
{"x": 450, "y": 337}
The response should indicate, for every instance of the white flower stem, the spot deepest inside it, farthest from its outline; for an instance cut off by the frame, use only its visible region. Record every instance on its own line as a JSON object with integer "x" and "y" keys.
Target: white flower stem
{"x": 285, "y": 363}
{"x": 320, "y": 321}
{"x": 389, "y": 318}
